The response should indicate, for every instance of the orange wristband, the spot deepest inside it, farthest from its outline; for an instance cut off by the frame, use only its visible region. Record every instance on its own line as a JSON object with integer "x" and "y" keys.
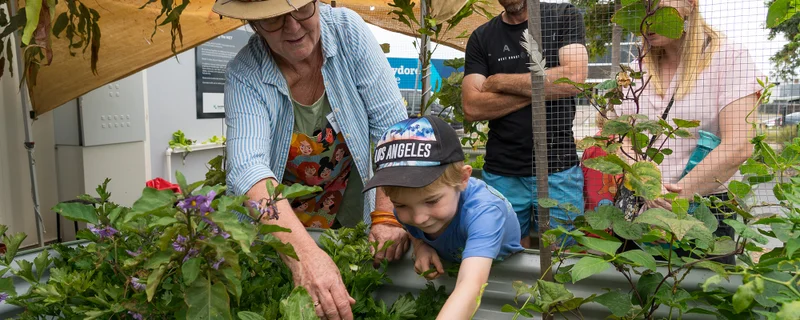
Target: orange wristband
{"x": 384, "y": 217}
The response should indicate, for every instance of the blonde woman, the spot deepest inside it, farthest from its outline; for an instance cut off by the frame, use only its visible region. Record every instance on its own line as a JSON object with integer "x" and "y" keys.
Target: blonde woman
{"x": 710, "y": 79}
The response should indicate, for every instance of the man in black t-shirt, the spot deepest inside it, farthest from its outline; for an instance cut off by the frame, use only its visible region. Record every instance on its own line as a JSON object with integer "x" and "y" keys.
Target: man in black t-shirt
{"x": 497, "y": 87}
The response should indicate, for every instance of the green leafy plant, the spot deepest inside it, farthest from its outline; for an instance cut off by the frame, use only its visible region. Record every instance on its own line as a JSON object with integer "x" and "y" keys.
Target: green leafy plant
{"x": 438, "y": 31}
{"x": 768, "y": 288}
{"x": 351, "y": 251}
{"x": 215, "y": 139}
{"x": 544, "y": 297}
{"x": 645, "y": 248}
{"x": 641, "y": 179}
{"x": 476, "y": 164}
{"x": 216, "y": 171}
{"x": 188, "y": 256}
{"x": 179, "y": 140}
{"x": 782, "y": 18}
{"x": 597, "y": 20}
{"x": 169, "y": 254}
{"x": 449, "y": 96}
{"x": 656, "y": 273}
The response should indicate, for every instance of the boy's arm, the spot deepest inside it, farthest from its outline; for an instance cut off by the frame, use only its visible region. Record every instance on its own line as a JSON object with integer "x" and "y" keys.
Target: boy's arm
{"x": 472, "y": 274}
{"x": 415, "y": 243}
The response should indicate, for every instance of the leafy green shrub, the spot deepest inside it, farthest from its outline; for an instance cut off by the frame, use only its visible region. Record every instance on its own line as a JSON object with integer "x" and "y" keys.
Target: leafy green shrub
{"x": 769, "y": 288}
{"x": 449, "y": 96}
{"x": 644, "y": 248}
{"x": 188, "y": 256}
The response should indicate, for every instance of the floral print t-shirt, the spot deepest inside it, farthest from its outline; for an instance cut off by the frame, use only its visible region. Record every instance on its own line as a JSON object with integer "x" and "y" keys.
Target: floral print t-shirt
{"x": 318, "y": 156}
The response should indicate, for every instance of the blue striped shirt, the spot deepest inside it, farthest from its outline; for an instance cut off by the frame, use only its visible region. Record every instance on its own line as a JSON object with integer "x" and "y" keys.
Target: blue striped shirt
{"x": 361, "y": 89}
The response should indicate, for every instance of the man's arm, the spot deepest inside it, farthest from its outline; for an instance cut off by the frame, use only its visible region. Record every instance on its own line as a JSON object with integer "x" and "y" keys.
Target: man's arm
{"x": 479, "y": 105}
{"x": 574, "y": 65}
{"x": 472, "y": 274}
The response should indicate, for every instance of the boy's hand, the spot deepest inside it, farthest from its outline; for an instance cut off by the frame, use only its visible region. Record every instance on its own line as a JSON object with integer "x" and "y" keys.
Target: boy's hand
{"x": 425, "y": 257}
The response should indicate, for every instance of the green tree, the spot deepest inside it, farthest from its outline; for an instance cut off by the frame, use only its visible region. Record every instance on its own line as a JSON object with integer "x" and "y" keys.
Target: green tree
{"x": 787, "y": 60}
{"x": 597, "y": 20}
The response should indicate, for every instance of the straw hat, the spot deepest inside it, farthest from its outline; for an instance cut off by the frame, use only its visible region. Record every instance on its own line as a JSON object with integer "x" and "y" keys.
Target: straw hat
{"x": 256, "y": 9}
{"x": 446, "y": 9}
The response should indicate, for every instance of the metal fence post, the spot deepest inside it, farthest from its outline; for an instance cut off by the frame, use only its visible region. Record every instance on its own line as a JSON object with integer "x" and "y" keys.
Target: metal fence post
{"x": 539, "y": 121}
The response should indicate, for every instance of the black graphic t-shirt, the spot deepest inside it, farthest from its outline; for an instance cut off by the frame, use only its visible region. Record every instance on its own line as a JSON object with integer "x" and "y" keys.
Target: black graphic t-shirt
{"x": 495, "y": 48}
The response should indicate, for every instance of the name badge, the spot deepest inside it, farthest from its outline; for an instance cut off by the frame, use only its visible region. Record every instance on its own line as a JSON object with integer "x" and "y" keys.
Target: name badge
{"x": 332, "y": 121}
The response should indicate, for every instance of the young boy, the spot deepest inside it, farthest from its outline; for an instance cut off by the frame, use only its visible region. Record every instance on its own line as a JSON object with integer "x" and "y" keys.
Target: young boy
{"x": 448, "y": 214}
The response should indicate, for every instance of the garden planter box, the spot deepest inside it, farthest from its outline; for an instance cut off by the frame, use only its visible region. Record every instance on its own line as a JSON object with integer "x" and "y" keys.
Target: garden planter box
{"x": 523, "y": 266}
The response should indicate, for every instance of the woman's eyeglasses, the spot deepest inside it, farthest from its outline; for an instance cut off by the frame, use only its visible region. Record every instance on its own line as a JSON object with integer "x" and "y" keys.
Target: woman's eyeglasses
{"x": 276, "y": 23}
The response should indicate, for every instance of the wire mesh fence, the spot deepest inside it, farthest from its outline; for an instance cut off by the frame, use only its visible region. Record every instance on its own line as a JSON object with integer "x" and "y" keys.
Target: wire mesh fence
{"x": 706, "y": 61}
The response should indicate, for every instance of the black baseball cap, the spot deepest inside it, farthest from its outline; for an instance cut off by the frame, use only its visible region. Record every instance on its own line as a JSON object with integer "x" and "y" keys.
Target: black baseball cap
{"x": 415, "y": 152}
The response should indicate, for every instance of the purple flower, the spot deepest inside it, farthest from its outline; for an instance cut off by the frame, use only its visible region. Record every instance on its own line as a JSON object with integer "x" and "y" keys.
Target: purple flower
{"x": 104, "y": 232}
{"x": 134, "y": 254}
{"x": 210, "y": 223}
{"x": 216, "y": 231}
{"x": 135, "y": 315}
{"x": 3, "y": 296}
{"x": 216, "y": 264}
{"x": 137, "y": 284}
{"x": 201, "y": 203}
{"x": 272, "y": 212}
{"x": 269, "y": 210}
{"x": 191, "y": 254}
{"x": 179, "y": 244}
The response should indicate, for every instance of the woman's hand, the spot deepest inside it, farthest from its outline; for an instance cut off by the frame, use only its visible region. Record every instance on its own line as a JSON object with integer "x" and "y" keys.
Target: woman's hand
{"x": 425, "y": 257}
{"x": 384, "y": 232}
{"x": 316, "y": 272}
{"x": 662, "y": 202}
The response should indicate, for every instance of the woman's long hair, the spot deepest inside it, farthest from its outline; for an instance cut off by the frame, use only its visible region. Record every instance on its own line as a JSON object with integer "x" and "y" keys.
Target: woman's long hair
{"x": 700, "y": 42}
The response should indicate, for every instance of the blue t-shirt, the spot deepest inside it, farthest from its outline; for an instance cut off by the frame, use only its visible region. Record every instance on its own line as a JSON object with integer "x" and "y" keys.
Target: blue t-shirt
{"x": 485, "y": 225}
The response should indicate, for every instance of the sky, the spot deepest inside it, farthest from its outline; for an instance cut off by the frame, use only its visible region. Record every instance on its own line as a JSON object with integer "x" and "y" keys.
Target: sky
{"x": 740, "y": 20}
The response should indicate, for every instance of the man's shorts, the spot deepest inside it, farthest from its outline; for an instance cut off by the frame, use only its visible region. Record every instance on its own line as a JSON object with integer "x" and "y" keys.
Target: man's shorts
{"x": 565, "y": 187}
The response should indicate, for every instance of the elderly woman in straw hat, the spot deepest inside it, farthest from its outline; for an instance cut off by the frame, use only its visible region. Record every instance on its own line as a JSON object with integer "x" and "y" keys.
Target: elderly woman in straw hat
{"x": 313, "y": 79}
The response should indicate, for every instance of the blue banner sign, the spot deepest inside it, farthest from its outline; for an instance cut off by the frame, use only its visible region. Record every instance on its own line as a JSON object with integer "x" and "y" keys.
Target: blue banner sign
{"x": 406, "y": 71}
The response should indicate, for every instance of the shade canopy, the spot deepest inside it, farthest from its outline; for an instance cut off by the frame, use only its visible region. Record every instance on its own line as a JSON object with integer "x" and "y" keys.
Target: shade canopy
{"x": 126, "y": 44}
